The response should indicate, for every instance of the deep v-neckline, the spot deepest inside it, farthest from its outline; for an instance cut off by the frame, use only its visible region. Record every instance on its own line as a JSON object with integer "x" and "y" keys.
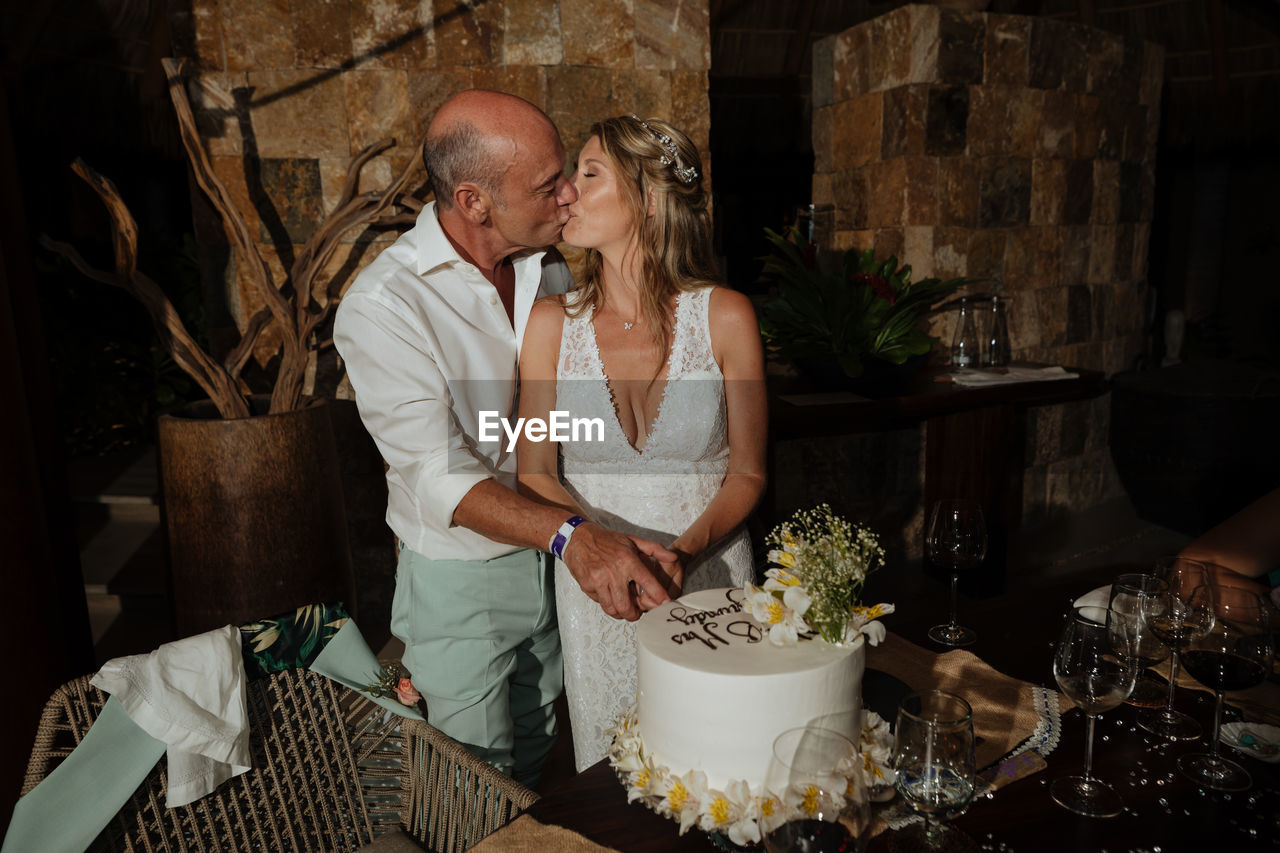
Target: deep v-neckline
{"x": 613, "y": 398}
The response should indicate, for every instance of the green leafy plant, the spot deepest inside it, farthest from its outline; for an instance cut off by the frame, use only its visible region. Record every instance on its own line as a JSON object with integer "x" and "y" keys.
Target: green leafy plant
{"x": 861, "y": 310}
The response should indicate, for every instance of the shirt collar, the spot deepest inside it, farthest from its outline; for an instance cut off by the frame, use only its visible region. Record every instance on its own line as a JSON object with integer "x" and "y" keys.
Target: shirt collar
{"x": 435, "y": 250}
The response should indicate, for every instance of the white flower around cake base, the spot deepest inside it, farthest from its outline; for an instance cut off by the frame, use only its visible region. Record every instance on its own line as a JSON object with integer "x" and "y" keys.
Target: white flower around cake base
{"x": 740, "y": 813}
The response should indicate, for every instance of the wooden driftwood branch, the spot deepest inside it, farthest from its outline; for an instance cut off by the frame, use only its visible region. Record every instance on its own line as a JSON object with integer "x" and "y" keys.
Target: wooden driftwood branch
{"x": 290, "y": 305}
{"x": 211, "y": 376}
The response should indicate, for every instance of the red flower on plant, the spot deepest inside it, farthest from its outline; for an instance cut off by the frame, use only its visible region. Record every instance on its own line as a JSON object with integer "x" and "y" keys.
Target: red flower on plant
{"x": 877, "y": 283}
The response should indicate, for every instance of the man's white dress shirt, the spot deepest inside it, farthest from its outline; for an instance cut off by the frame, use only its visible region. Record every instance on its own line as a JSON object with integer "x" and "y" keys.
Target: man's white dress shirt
{"x": 428, "y": 346}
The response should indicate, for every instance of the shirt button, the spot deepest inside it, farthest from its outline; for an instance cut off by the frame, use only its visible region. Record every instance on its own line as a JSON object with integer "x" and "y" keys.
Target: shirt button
{"x": 493, "y": 300}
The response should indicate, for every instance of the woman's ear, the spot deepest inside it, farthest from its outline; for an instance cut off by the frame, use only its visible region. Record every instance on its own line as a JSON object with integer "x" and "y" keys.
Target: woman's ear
{"x": 651, "y": 206}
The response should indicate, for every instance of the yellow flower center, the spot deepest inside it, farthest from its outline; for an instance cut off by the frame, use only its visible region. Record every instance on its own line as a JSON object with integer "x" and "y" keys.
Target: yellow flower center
{"x": 642, "y": 779}
{"x": 775, "y": 612}
{"x": 766, "y": 808}
{"x": 787, "y": 561}
{"x": 677, "y": 796}
{"x": 720, "y": 810}
{"x": 810, "y": 803}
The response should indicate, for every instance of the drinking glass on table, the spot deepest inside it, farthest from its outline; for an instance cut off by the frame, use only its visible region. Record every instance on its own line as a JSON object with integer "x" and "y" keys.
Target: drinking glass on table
{"x": 936, "y": 766}
{"x": 956, "y": 540}
{"x": 1096, "y": 675}
{"x": 1172, "y": 621}
{"x": 815, "y": 773}
{"x": 1126, "y": 595}
{"x": 1234, "y": 654}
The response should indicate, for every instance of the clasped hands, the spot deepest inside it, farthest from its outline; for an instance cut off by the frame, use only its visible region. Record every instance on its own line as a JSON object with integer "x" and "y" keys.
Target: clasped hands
{"x": 625, "y": 575}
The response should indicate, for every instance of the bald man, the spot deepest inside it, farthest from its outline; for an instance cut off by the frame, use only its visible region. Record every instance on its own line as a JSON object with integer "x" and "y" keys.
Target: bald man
{"x": 430, "y": 334}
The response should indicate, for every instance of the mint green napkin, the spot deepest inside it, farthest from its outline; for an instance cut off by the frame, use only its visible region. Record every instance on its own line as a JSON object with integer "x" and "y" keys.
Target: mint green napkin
{"x": 99, "y": 776}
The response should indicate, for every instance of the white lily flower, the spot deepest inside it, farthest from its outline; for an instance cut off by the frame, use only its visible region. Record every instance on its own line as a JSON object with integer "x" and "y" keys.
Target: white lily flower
{"x": 779, "y": 579}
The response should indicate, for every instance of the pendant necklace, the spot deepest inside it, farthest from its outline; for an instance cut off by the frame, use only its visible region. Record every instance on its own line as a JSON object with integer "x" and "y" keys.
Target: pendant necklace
{"x": 626, "y": 327}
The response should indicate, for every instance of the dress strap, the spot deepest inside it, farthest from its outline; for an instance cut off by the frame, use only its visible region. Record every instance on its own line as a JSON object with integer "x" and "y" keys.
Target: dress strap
{"x": 691, "y": 343}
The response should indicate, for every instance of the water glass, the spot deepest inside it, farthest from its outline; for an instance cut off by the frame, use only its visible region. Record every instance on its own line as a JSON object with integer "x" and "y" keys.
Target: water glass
{"x": 964, "y": 345}
{"x": 816, "y": 777}
{"x": 936, "y": 766}
{"x": 1174, "y": 623}
{"x": 955, "y": 540}
{"x": 1096, "y": 675}
{"x": 1126, "y": 596}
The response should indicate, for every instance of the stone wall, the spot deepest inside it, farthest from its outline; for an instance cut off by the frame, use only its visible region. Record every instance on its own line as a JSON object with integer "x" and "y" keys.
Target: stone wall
{"x": 287, "y": 92}
{"x": 1016, "y": 150}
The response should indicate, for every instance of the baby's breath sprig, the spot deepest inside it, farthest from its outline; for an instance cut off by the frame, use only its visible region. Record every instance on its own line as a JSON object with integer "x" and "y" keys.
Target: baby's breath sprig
{"x": 820, "y": 564}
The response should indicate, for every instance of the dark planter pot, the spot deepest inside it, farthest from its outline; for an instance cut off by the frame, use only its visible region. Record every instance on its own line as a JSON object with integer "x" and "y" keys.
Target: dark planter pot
{"x": 879, "y": 378}
{"x": 253, "y": 512}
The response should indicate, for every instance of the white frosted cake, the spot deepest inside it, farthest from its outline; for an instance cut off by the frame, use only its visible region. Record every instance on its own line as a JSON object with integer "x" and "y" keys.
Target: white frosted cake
{"x": 714, "y": 692}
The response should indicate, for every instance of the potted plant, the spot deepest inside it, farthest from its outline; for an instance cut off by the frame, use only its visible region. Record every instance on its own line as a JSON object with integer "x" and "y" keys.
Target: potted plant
{"x": 852, "y": 323}
{"x": 252, "y": 495}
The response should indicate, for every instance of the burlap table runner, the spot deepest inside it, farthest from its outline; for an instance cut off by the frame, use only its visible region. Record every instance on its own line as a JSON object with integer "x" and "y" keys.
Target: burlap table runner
{"x": 1006, "y": 711}
{"x": 526, "y": 835}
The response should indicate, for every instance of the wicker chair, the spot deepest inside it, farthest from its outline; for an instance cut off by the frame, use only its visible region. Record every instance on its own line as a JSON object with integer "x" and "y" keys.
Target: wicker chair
{"x": 331, "y": 771}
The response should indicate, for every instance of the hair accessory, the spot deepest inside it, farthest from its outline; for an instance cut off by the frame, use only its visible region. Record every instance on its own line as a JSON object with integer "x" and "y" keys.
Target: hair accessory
{"x": 688, "y": 175}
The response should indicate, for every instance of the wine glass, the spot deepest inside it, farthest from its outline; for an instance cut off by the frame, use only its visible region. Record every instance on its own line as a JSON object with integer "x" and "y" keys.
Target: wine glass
{"x": 1170, "y": 619}
{"x": 1097, "y": 677}
{"x": 934, "y": 758}
{"x": 956, "y": 539}
{"x": 1234, "y": 654}
{"x": 826, "y": 807}
{"x": 1126, "y": 594}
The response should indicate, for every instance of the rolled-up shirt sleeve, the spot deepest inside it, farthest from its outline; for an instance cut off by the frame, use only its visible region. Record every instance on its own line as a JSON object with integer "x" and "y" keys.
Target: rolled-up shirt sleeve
{"x": 406, "y": 405}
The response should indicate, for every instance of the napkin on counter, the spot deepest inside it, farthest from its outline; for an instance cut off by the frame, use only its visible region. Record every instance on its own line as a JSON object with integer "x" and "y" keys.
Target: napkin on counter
{"x": 1009, "y": 375}
{"x": 526, "y": 835}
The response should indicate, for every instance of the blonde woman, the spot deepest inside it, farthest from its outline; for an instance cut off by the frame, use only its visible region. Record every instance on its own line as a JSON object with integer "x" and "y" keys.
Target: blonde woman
{"x": 672, "y": 366}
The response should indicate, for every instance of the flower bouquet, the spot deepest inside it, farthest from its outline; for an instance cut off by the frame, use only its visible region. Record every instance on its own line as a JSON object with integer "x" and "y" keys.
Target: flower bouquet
{"x": 819, "y": 565}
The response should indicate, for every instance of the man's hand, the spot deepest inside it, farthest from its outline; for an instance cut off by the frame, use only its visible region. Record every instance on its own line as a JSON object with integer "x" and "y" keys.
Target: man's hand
{"x": 606, "y": 563}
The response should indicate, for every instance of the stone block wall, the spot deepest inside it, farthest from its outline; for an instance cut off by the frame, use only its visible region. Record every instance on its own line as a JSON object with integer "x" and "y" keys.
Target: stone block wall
{"x": 287, "y": 93}
{"x": 1013, "y": 149}
{"x": 1017, "y": 150}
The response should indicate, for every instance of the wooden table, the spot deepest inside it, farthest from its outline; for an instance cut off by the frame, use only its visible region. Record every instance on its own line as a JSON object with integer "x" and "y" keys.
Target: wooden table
{"x": 973, "y": 440}
{"x": 1015, "y": 635}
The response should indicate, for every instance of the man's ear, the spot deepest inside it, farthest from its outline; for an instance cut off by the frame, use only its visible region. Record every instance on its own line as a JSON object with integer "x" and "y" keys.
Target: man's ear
{"x": 473, "y": 202}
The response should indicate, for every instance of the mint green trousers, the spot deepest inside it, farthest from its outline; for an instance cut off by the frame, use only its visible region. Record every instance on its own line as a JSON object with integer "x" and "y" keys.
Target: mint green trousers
{"x": 483, "y": 648}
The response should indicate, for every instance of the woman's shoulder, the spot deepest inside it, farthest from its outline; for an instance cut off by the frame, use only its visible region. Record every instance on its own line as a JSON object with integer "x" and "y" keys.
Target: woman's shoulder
{"x": 727, "y": 304}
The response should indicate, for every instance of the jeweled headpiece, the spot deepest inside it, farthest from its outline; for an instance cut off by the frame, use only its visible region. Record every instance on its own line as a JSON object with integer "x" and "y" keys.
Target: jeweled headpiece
{"x": 687, "y": 175}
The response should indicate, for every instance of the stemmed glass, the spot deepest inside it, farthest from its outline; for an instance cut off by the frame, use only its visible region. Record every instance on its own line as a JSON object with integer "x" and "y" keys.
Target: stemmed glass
{"x": 936, "y": 769}
{"x": 1234, "y": 654}
{"x": 825, "y": 805}
{"x": 1174, "y": 623}
{"x": 956, "y": 539}
{"x": 1097, "y": 677}
{"x": 1148, "y": 649}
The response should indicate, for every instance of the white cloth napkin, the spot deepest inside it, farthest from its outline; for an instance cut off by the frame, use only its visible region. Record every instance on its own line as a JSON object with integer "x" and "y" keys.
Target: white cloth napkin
{"x": 190, "y": 694}
{"x": 1009, "y": 375}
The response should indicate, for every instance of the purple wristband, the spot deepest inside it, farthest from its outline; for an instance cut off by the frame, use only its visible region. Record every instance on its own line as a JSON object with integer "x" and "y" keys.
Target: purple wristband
{"x": 561, "y": 539}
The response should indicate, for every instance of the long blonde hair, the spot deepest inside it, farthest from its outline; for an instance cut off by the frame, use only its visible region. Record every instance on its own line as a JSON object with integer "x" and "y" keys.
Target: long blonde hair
{"x": 675, "y": 241}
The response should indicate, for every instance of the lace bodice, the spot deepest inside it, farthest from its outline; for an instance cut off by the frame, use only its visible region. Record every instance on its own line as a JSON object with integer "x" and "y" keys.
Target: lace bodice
{"x": 655, "y": 492}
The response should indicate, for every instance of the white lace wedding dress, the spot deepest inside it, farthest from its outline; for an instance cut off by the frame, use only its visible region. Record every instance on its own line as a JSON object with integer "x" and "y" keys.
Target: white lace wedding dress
{"x": 655, "y": 492}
